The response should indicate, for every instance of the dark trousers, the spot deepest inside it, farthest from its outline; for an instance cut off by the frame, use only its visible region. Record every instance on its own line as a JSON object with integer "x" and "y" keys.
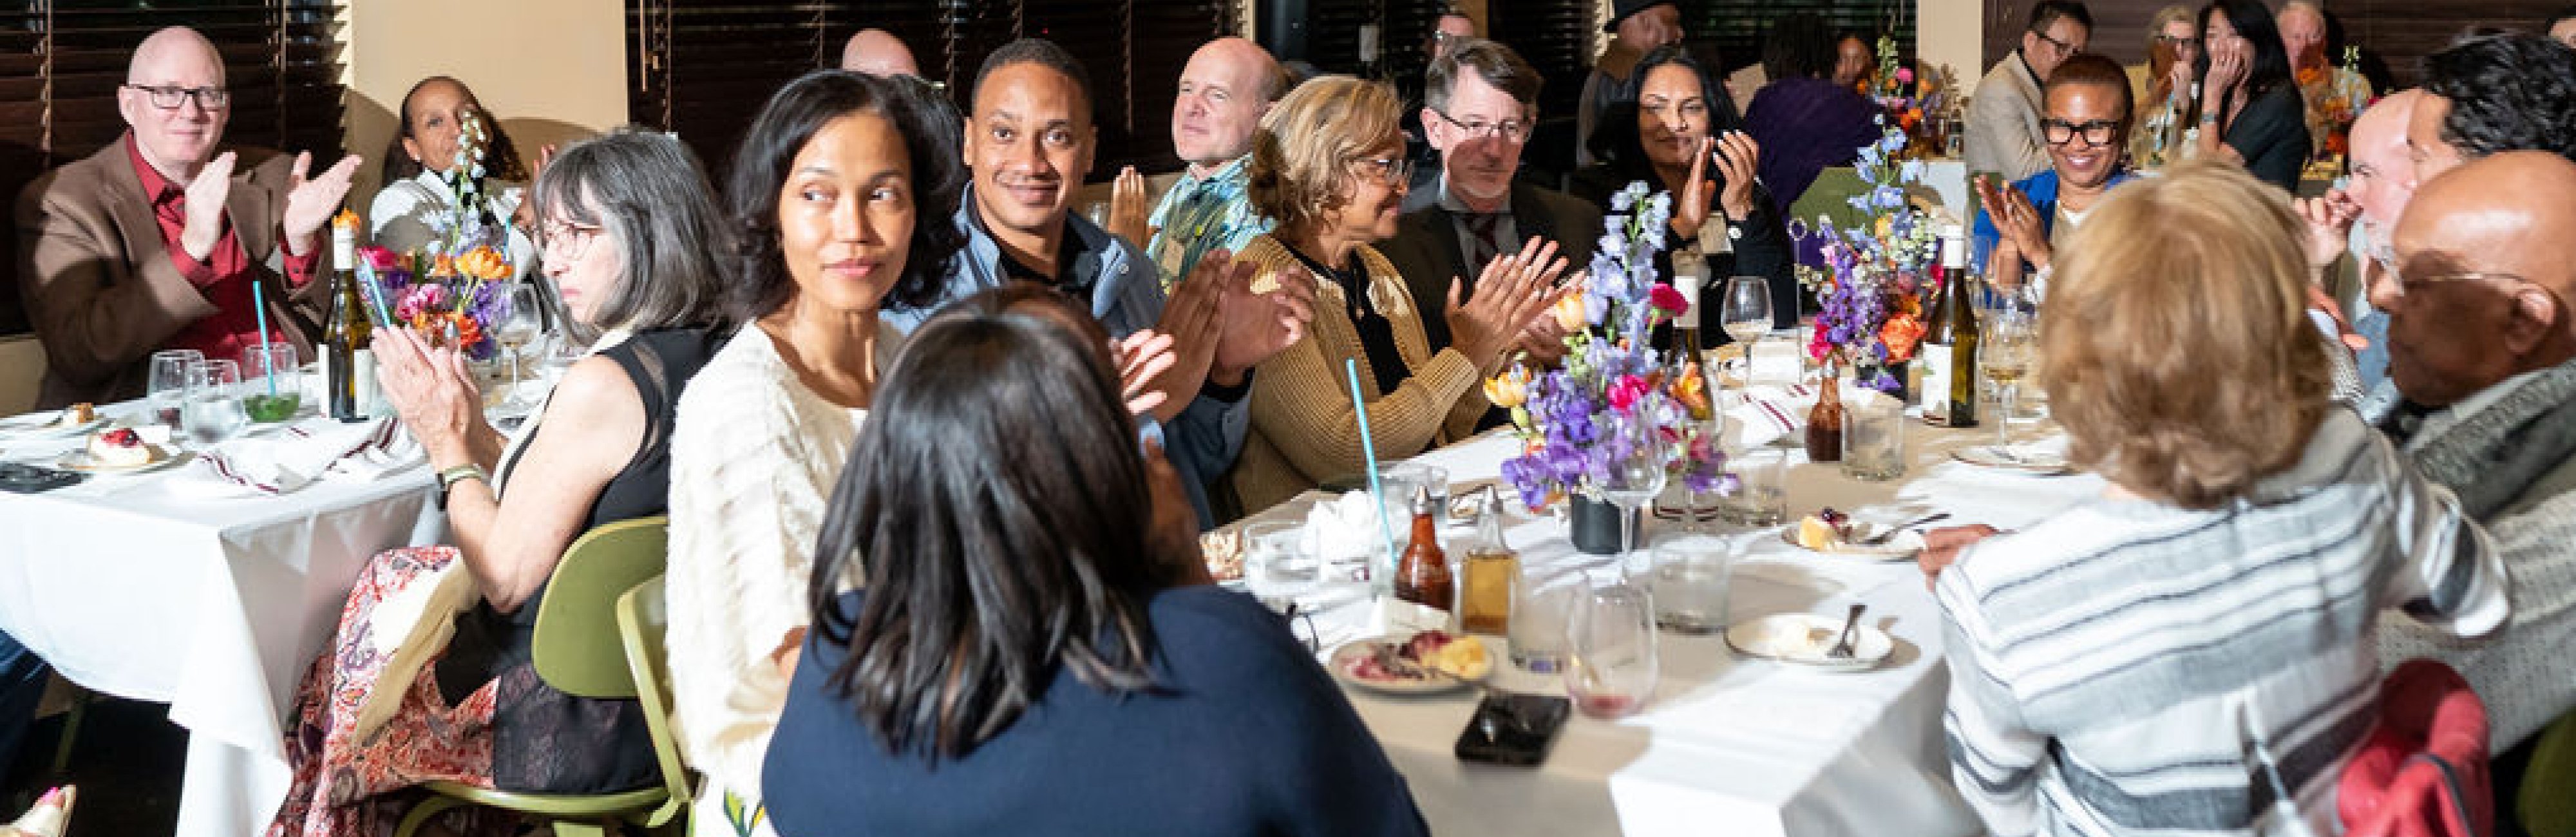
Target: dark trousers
{"x": 22, "y": 684}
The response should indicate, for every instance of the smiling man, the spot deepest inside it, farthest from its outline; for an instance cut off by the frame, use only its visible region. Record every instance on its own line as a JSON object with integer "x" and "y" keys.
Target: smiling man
{"x": 1227, "y": 86}
{"x": 154, "y": 242}
{"x": 1029, "y": 141}
{"x": 2482, "y": 398}
{"x": 2003, "y": 117}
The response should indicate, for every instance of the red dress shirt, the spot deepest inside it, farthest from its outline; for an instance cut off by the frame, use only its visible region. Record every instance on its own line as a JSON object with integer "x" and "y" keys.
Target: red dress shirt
{"x": 224, "y": 278}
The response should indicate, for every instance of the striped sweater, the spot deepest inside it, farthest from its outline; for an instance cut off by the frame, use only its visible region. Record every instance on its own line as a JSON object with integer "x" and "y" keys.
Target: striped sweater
{"x": 2132, "y": 667}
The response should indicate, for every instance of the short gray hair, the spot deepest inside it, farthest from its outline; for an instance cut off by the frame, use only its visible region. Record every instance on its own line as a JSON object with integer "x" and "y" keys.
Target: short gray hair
{"x": 1497, "y": 64}
{"x": 2169, "y": 16}
{"x": 645, "y": 191}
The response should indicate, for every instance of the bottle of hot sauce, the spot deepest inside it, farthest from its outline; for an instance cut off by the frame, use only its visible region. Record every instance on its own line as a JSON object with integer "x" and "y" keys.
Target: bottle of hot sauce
{"x": 1422, "y": 575}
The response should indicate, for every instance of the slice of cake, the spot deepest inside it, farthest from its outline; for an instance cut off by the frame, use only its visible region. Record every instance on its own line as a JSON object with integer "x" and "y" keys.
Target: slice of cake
{"x": 119, "y": 448}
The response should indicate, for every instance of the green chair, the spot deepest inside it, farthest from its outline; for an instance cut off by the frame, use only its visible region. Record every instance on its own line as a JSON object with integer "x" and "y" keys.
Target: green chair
{"x": 642, "y": 620}
{"x": 1830, "y": 196}
{"x": 2546, "y": 801}
{"x": 578, "y": 652}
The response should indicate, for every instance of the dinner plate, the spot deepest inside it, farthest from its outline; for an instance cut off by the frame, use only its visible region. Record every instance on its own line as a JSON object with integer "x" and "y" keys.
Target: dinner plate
{"x": 1803, "y": 639}
{"x": 2031, "y": 459}
{"x": 1436, "y": 683}
{"x": 1899, "y": 548}
{"x": 163, "y": 456}
{"x": 46, "y": 424}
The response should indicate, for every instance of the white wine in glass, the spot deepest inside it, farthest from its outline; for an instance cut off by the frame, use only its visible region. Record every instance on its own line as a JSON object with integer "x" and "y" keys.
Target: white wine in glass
{"x": 2005, "y": 360}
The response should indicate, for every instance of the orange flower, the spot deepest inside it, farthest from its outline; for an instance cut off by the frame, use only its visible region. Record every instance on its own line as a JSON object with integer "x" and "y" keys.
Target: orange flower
{"x": 1900, "y": 334}
{"x": 484, "y": 263}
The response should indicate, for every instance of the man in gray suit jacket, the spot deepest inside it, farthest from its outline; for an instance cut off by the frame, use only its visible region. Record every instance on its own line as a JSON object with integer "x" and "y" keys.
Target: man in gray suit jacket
{"x": 1480, "y": 100}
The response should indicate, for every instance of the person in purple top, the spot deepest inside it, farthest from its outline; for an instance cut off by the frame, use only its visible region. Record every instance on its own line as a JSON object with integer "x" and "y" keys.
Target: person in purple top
{"x": 1804, "y": 121}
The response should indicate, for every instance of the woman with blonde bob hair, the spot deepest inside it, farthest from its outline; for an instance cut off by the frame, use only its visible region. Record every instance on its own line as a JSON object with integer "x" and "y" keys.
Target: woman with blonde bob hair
{"x": 1329, "y": 165}
{"x": 2193, "y": 650}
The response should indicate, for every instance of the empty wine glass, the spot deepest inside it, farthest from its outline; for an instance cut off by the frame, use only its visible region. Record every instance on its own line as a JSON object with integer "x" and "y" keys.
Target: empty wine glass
{"x": 168, "y": 385}
{"x": 1636, "y": 474}
{"x": 1611, "y": 664}
{"x": 212, "y": 411}
{"x": 1745, "y": 310}
{"x": 521, "y": 319}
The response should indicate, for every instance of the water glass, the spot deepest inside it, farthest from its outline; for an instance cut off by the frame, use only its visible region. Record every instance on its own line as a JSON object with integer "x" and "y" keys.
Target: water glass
{"x": 1690, "y": 582}
{"x": 1873, "y": 436}
{"x": 274, "y": 380}
{"x": 1611, "y": 664}
{"x": 1541, "y": 605}
{"x": 168, "y": 384}
{"x": 1414, "y": 475}
{"x": 211, "y": 410}
{"x": 1761, "y": 495}
{"x": 1275, "y": 552}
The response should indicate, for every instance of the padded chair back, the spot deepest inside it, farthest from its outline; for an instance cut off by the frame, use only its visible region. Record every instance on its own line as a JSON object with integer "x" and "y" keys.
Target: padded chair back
{"x": 577, "y": 649}
{"x": 2547, "y": 799}
{"x": 642, "y": 620}
{"x": 2423, "y": 770}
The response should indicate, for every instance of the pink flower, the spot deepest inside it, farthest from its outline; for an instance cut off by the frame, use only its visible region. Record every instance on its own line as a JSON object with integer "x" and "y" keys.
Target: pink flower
{"x": 1625, "y": 392}
{"x": 1668, "y": 300}
{"x": 380, "y": 258}
{"x": 1905, "y": 75}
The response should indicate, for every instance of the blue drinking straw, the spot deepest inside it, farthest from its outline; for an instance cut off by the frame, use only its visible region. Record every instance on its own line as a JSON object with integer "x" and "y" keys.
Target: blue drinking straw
{"x": 1368, "y": 452}
{"x": 267, "y": 362}
{"x": 367, "y": 285}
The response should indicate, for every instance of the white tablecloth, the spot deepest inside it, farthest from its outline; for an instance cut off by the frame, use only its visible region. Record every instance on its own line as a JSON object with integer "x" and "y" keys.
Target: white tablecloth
{"x": 214, "y": 606}
{"x": 1731, "y": 746}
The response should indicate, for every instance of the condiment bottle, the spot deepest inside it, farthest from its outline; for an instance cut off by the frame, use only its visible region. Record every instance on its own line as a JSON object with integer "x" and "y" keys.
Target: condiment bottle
{"x": 1491, "y": 568}
{"x": 1422, "y": 575}
{"x": 1825, "y": 422}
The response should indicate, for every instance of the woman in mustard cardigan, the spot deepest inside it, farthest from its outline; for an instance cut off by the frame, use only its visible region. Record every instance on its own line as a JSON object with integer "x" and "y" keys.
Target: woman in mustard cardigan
{"x": 1329, "y": 166}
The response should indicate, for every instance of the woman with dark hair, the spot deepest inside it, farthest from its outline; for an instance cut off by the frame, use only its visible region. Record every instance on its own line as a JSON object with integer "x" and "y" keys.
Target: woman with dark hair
{"x": 839, "y": 203}
{"x": 1677, "y": 133}
{"x": 1804, "y": 121}
{"x": 1855, "y": 59}
{"x": 421, "y": 160}
{"x": 2250, "y": 112}
{"x": 1031, "y": 645}
{"x": 630, "y": 230}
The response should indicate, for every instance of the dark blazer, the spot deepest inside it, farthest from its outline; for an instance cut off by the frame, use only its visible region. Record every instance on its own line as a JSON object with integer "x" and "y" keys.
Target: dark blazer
{"x": 1425, "y": 246}
{"x": 100, "y": 288}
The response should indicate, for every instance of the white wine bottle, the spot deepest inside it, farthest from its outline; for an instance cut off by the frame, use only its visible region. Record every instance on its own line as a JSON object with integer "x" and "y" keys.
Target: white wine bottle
{"x": 1949, "y": 390}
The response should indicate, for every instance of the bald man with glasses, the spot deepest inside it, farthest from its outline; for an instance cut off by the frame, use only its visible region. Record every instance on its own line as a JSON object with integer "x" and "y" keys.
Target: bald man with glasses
{"x": 155, "y": 242}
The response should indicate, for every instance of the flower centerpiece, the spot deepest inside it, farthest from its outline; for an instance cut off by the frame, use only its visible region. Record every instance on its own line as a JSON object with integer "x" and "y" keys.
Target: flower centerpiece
{"x": 1614, "y": 391}
{"x": 1876, "y": 276}
{"x": 449, "y": 289}
{"x": 1908, "y": 101}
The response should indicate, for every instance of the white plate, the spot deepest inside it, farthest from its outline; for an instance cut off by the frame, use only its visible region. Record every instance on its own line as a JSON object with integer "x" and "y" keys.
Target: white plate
{"x": 1803, "y": 639}
{"x": 2025, "y": 458}
{"x": 163, "y": 456}
{"x": 1901, "y": 547}
{"x": 1437, "y": 682}
{"x": 45, "y": 425}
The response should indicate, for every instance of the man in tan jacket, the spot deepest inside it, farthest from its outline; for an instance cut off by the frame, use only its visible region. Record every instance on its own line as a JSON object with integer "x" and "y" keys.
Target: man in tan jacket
{"x": 154, "y": 243}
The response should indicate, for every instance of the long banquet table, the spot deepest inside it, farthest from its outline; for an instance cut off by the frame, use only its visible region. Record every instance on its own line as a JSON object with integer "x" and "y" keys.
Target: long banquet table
{"x": 132, "y": 587}
{"x": 1728, "y": 745}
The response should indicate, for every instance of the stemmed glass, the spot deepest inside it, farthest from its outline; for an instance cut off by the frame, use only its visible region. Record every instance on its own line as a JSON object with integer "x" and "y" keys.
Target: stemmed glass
{"x": 2005, "y": 358}
{"x": 1636, "y": 474}
{"x": 1745, "y": 311}
{"x": 521, "y": 319}
{"x": 1611, "y": 665}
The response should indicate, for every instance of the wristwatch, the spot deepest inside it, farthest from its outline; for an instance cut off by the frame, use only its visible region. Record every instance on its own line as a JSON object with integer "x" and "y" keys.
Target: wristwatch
{"x": 448, "y": 479}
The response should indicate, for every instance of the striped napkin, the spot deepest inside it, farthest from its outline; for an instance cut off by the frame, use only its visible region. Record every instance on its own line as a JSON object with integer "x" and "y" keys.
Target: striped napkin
{"x": 1767, "y": 414}
{"x": 298, "y": 456}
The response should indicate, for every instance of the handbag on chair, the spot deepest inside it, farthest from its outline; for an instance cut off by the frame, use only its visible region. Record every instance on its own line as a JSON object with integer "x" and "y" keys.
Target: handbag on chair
{"x": 2422, "y": 772}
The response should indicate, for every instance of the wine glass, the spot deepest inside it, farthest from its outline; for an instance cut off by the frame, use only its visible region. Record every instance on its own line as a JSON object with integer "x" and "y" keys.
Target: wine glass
{"x": 1745, "y": 311}
{"x": 1636, "y": 474}
{"x": 211, "y": 411}
{"x": 521, "y": 319}
{"x": 1611, "y": 665}
{"x": 2005, "y": 358}
{"x": 169, "y": 383}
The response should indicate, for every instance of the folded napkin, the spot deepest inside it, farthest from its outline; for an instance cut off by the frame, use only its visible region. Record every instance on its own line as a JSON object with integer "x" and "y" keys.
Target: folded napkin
{"x": 1345, "y": 527}
{"x": 1766, "y": 414}
{"x": 298, "y": 456}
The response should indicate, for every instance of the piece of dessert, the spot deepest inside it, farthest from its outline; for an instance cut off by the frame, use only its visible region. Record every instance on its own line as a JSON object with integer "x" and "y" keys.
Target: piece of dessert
{"x": 120, "y": 448}
{"x": 1824, "y": 530}
{"x": 79, "y": 414}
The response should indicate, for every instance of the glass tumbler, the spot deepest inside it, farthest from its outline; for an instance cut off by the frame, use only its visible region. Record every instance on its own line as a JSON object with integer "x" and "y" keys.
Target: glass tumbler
{"x": 1611, "y": 660}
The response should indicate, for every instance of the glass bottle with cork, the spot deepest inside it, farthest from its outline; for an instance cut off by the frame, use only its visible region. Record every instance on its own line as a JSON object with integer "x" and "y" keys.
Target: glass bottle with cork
{"x": 1949, "y": 352}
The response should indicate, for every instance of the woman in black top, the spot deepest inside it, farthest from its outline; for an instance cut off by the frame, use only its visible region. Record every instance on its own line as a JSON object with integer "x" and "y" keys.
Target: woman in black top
{"x": 1036, "y": 648}
{"x": 2250, "y": 113}
{"x": 629, "y": 235}
{"x": 1675, "y": 129}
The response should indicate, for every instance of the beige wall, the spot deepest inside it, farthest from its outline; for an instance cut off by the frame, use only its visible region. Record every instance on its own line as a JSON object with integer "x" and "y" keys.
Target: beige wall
{"x": 1951, "y": 32}
{"x": 552, "y": 70}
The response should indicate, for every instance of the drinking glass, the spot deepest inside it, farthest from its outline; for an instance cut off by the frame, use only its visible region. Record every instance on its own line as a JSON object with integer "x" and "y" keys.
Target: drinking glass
{"x": 521, "y": 319}
{"x": 211, "y": 410}
{"x": 2004, "y": 355}
{"x": 1636, "y": 476}
{"x": 1611, "y": 665}
{"x": 273, "y": 380}
{"x": 1689, "y": 583}
{"x": 1745, "y": 310}
{"x": 1541, "y": 604}
{"x": 1873, "y": 436}
{"x": 1416, "y": 475}
{"x": 169, "y": 383}
{"x": 1276, "y": 551}
{"x": 1761, "y": 495}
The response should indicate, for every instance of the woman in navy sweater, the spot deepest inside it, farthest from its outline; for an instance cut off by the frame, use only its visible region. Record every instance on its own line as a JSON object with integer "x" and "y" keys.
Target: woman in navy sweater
{"x": 1036, "y": 649}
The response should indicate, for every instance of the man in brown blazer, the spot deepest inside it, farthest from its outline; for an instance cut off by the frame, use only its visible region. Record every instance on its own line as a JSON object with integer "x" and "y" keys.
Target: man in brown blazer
{"x": 153, "y": 243}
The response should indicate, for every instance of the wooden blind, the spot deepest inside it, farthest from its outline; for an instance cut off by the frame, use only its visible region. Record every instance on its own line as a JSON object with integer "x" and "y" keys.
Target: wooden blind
{"x": 61, "y": 62}
{"x": 1738, "y": 27}
{"x": 2399, "y": 33}
{"x": 1555, "y": 37}
{"x": 1132, "y": 49}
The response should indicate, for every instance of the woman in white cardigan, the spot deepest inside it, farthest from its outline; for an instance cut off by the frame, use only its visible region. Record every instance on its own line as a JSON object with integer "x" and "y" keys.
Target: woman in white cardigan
{"x": 416, "y": 201}
{"x": 841, "y": 199}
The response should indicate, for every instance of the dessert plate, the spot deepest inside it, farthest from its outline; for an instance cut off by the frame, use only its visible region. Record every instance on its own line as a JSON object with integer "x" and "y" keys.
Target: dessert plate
{"x": 46, "y": 424}
{"x": 1803, "y": 639}
{"x": 163, "y": 456}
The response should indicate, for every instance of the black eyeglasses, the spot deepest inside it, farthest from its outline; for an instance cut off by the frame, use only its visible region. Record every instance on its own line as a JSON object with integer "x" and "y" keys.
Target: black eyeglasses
{"x": 2096, "y": 132}
{"x": 2170, "y": 40}
{"x": 171, "y": 98}
{"x": 1511, "y": 130}
{"x": 2063, "y": 48}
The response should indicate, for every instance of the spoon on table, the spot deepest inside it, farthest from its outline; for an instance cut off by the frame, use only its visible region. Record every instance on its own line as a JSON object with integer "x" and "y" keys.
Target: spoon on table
{"x": 1843, "y": 645}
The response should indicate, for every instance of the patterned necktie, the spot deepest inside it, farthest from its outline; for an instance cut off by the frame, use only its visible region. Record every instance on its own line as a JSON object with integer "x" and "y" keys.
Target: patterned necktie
{"x": 1481, "y": 227}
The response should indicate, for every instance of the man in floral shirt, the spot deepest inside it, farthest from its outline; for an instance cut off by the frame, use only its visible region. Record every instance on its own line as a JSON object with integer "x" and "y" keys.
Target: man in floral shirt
{"x": 1227, "y": 86}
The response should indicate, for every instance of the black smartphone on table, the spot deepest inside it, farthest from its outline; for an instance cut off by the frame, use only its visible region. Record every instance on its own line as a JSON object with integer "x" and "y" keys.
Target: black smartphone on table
{"x": 1513, "y": 729}
{"x": 21, "y": 478}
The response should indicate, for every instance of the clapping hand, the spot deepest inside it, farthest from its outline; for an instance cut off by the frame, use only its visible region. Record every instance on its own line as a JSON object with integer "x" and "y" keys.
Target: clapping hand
{"x": 2016, "y": 220}
{"x": 1253, "y": 327}
{"x": 1127, "y": 209}
{"x": 310, "y": 203}
{"x": 432, "y": 391}
{"x": 1738, "y": 161}
{"x": 1142, "y": 357}
{"x": 1190, "y": 321}
{"x": 205, "y": 198}
{"x": 1514, "y": 291}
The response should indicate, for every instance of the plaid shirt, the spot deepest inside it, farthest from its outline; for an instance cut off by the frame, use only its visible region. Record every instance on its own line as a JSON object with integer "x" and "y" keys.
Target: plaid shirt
{"x": 1202, "y": 214}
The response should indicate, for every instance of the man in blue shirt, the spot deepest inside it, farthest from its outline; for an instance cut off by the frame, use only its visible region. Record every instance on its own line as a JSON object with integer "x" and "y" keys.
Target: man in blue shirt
{"x": 1029, "y": 140}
